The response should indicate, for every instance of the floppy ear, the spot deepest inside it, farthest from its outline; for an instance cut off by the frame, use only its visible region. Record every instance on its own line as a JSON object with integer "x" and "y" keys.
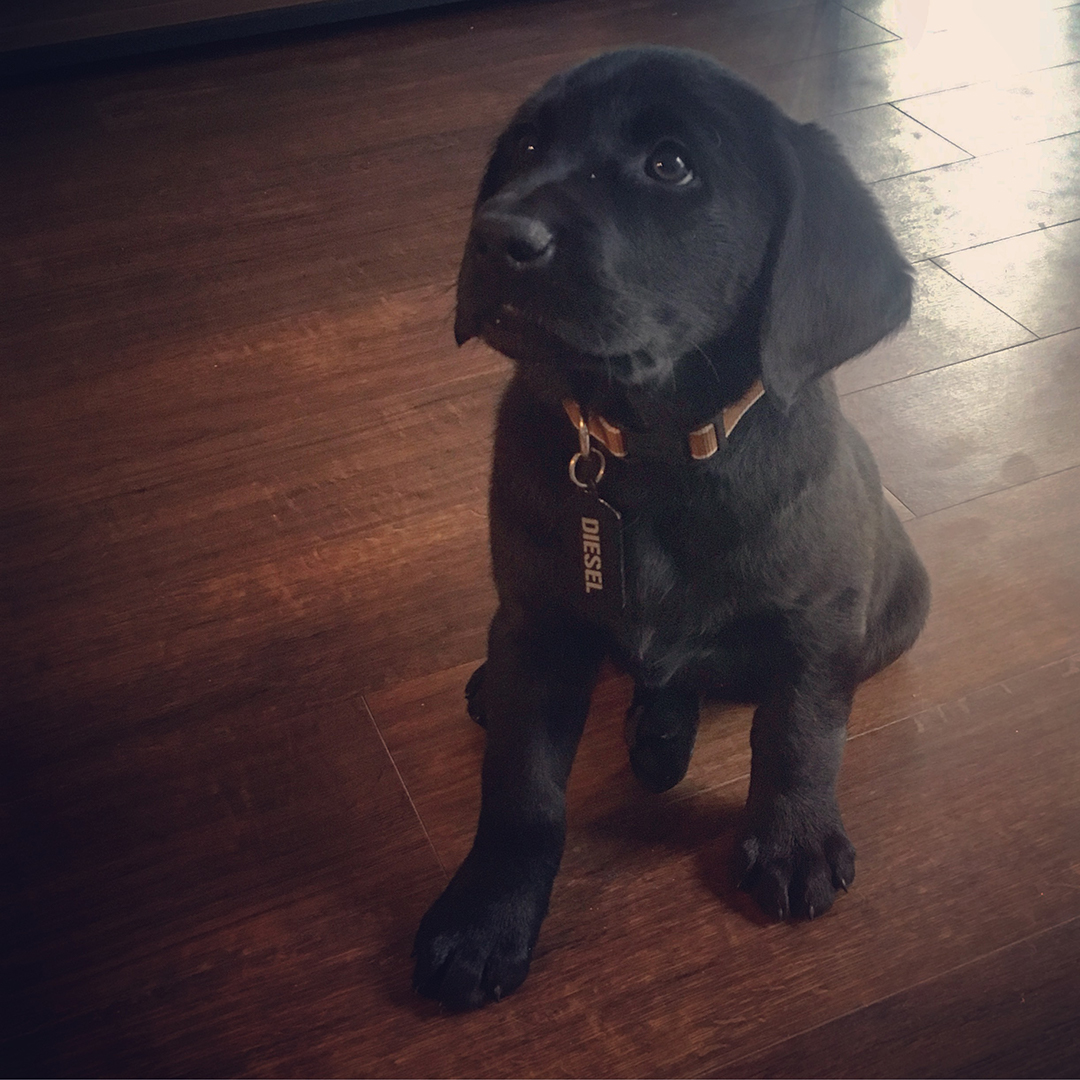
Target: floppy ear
{"x": 839, "y": 283}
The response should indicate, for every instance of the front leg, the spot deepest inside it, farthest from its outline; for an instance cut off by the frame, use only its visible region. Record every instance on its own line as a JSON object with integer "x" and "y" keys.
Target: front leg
{"x": 661, "y": 726}
{"x": 793, "y": 851}
{"x": 475, "y": 943}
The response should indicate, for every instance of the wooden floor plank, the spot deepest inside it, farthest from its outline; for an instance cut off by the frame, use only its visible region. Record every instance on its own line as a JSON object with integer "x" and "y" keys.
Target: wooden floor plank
{"x": 1011, "y": 111}
{"x": 284, "y": 847}
{"x": 1033, "y": 277}
{"x": 950, "y": 323}
{"x": 395, "y": 491}
{"x": 883, "y": 142}
{"x": 647, "y": 931}
{"x": 1012, "y": 1013}
{"x": 989, "y": 198}
{"x": 943, "y": 47}
{"x": 995, "y": 422}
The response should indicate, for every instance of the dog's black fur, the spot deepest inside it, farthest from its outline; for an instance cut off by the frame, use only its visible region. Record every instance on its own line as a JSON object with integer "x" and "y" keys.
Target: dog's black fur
{"x": 650, "y": 237}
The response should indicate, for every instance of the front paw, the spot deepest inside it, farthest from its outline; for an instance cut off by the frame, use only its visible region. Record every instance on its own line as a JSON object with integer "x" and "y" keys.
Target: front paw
{"x": 475, "y": 943}
{"x": 661, "y": 726}
{"x": 792, "y": 864}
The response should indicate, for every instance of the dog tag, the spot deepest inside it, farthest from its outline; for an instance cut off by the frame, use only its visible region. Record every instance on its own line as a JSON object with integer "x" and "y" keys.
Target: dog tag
{"x": 594, "y": 554}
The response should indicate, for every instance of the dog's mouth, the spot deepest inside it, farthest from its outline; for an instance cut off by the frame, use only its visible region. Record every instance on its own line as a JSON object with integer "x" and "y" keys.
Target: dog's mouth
{"x": 519, "y": 335}
{"x": 528, "y": 339}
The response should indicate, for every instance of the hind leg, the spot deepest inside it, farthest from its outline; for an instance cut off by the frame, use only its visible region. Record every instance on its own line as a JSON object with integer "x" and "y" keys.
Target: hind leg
{"x": 661, "y": 726}
{"x": 898, "y": 619}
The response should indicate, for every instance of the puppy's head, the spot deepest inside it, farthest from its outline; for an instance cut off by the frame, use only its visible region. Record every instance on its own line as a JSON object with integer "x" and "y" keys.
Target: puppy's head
{"x": 647, "y": 211}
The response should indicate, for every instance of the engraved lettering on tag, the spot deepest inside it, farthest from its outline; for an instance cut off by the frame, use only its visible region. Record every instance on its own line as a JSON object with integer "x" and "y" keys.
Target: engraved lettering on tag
{"x": 590, "y": 538}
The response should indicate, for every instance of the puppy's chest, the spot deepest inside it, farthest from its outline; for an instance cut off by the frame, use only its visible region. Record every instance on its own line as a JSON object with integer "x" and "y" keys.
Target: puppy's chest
{"x": 683, "y": 565}
{"x": 682, "y": 590}
{"x": 678, "y": 546}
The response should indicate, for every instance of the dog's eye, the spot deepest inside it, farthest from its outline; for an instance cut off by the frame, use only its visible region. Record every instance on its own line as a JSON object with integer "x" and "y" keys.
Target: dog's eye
{"x": 669, "y": 163}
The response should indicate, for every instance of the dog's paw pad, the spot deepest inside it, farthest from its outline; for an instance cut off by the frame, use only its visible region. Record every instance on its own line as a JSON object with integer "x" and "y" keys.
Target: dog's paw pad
{"x": 473, "y": 947}
{"x": 797, "y": 877}
{"x": 464, "y": 972}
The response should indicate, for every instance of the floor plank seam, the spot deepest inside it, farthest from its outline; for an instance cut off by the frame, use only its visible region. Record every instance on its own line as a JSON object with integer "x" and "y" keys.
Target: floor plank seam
{"x": 986, "y": 299}
{"x": 897, "y": 497}
{"x": 997, "y": 491}
{"x": 728, "y": 1065}
{"x": 404, "y": 787}
{"x": 998, "y": 239}
{"x": 970, "y": 155}
{"x": 937, "y": 706}
{"x": 956, "y": 363}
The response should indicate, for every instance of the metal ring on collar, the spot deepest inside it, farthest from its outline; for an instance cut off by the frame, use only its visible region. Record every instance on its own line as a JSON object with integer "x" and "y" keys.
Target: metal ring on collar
{"x": 599, "y": 472}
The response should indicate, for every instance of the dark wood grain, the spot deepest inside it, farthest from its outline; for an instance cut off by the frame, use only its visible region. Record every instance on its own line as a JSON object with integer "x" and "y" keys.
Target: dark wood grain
{"x": 244, "y": 576}
{"x": 1012, "y": 1013}
{"x": 154, "y": 875}
{"x": 649, "y": 943}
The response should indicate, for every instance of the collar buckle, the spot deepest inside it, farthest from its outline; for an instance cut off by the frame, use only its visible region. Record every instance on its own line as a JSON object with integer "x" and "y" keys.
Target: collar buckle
{"x": 702, "y": 442}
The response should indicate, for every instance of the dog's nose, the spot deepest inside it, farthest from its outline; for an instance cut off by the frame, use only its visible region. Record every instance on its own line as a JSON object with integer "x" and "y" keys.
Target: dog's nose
{"x": 522, "y": 242}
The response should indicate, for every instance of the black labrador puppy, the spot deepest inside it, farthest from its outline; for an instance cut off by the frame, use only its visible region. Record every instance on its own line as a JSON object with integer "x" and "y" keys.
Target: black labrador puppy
{"x": 674, "y": 265}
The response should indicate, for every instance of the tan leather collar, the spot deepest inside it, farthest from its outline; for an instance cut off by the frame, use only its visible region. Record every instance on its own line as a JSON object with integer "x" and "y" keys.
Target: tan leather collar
{"x": 703, "y": 442}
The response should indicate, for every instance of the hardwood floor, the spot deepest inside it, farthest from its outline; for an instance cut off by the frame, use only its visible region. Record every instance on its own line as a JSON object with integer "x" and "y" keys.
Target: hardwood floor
{"x": 245, "y": 573}
{"x": 51, "y": 34}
